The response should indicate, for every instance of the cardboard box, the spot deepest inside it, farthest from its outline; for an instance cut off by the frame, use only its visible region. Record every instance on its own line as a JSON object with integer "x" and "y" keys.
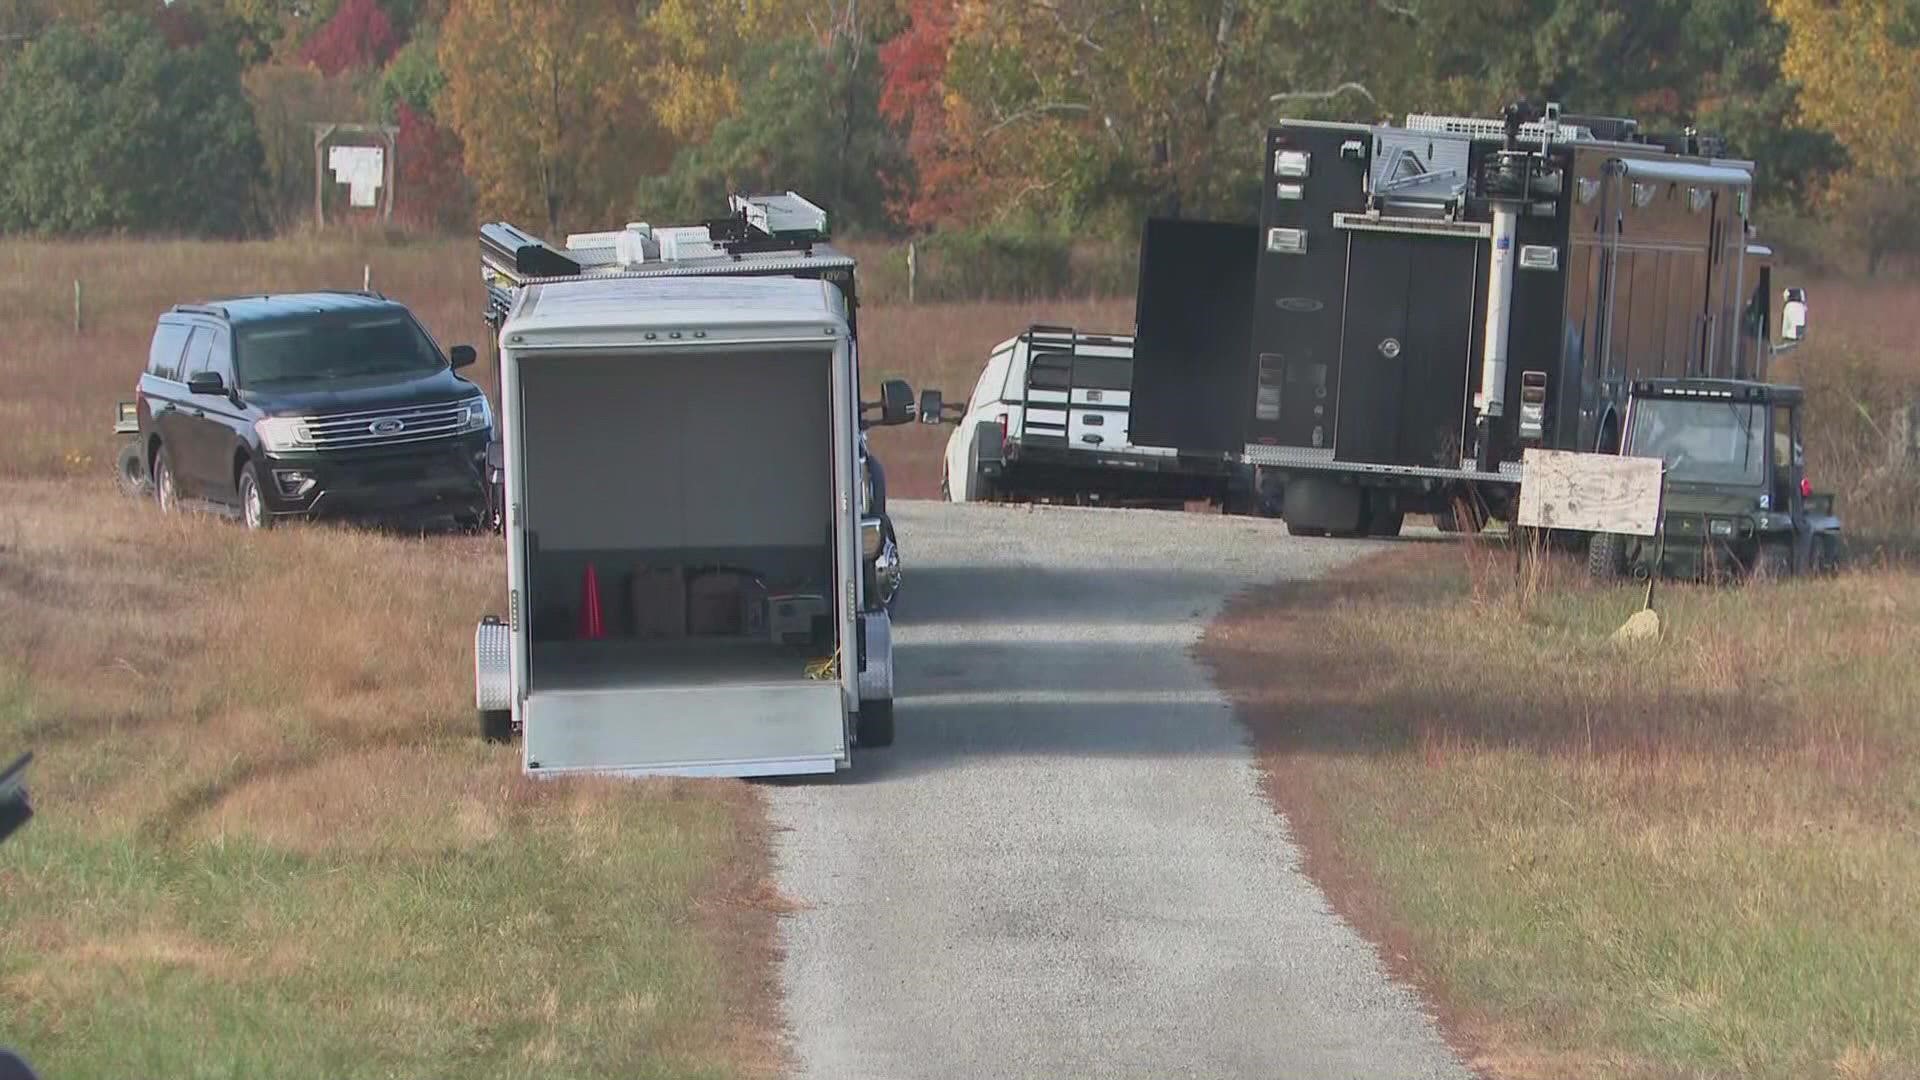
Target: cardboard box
{"x": 791, "y": 617}
{"x": 659, "y": 596}
{"x": 716, "y": 604}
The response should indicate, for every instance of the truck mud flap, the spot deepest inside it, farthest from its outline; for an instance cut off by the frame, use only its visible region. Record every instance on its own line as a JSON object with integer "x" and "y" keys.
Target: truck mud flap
{"x": 876, "y": 666}
{"x": 492, "y": 674}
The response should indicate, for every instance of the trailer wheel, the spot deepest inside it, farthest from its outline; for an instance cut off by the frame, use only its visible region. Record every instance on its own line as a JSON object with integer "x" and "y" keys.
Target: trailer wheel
{"x": 1606, "y": 556}
{"x": 496, "y": 725}
{"x": 875, "y": 726}
{"x": 130, "y": 470}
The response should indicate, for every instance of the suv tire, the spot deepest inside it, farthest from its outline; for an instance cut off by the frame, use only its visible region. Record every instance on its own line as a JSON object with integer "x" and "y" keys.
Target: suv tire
{"x": 130, "y": 470}
{"x": 166, "y": 490}
{"x": 253, "y": 500}
{"x": 875, "y": 725}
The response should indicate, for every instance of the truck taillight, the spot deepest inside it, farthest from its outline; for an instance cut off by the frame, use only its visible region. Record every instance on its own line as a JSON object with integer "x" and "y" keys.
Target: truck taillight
{"x": 1533, "y": 405}
{"x": 1806, "y": 488}
{"x": 1005, "y": 439}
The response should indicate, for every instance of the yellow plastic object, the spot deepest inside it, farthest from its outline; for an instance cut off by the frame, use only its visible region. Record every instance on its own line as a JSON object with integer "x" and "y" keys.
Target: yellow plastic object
{"x": 828, "y": 668}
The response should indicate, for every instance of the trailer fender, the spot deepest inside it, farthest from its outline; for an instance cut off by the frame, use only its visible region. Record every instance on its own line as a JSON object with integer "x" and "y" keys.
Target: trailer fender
{"x": 492, "y": 673}
{"x": 876, "y": 674}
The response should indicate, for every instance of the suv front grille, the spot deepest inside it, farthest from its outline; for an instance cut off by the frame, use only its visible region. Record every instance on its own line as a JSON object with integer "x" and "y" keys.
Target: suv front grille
{"x": 386, "y": 427}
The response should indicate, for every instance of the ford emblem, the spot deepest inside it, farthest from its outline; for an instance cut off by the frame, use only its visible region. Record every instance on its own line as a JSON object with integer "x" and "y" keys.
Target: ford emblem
{"x": 387, "y": 426}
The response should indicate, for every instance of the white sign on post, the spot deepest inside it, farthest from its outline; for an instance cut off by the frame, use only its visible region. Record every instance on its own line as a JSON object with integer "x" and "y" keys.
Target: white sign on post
{"x": 361, "y": 168}
{"x": 1590, "y": 492}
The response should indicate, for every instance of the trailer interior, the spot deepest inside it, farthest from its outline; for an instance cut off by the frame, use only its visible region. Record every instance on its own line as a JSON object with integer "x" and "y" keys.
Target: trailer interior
{"x": 679, "y": 519}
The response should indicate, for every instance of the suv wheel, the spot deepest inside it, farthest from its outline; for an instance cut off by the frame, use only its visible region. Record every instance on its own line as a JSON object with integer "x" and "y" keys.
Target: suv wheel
{"x": 130, "y": 469}
{"x": 164, "y": 490}
{"x": 253, "y": 502}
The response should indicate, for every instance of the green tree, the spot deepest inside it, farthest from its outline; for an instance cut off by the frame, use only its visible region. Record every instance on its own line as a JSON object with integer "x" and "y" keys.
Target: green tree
{"x": 113, "y": 129}
{"x": 413, "y": 78}
{"x": 808, "y": 121}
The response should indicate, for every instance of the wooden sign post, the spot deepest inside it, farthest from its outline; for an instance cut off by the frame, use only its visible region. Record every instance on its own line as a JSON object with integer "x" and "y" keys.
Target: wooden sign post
{"x": 1610, "y": 493}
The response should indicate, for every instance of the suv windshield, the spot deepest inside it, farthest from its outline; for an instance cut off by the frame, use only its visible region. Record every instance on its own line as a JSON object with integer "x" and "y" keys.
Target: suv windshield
{"x": 1707, "y": 442}
{"x": 385, "y": 343}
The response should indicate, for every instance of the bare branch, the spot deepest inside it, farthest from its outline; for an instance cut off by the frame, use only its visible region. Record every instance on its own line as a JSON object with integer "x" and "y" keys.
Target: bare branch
{"x": 1325, "y": 95}
{"x": 1036, "y": 110}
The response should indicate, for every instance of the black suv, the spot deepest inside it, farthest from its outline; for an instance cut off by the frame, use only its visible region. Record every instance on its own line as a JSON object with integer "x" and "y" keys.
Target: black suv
{"x": 310, "y": 404}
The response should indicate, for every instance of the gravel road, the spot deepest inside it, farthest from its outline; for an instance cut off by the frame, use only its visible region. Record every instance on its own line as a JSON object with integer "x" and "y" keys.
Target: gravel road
{"x": 1064, "y": 866}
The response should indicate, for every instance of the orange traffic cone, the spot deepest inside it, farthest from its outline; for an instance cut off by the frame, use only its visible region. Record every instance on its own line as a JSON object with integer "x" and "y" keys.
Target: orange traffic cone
{"x": 591, "y": 628}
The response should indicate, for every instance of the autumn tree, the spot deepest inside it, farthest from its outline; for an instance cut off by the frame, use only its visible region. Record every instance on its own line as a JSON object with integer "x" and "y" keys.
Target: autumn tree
{"x": 1857, "y": 63}
{"x": 358, "y": 37}
{"x": 548, "y": 100}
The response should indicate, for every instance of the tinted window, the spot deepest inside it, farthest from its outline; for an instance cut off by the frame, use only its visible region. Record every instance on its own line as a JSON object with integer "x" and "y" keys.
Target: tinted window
{"x": 198, "y": 350}
{"x": 1103, "y": 373}
{"x": 336, "y": 347}
{"x": 1050, "y": 371}
{"x": 163, "y": 358}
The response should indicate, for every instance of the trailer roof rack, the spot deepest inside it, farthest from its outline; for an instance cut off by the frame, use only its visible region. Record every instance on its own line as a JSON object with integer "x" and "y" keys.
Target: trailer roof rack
{"x": 781, "y": 233}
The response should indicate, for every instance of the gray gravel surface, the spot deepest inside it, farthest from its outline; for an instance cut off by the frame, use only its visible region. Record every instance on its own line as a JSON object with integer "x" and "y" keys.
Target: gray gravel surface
{"x": 1064, "y": 866}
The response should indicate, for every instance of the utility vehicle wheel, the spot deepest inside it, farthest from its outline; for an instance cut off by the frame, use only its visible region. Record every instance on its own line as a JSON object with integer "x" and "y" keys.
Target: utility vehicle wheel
{"x": 1606, "y": 556}
{"x": 1773, "y": 563}
{"x": 875, "y": 726}
{"x": 496, "y": 725}
{"x": 253, "y": 502}
{"x": 165, "y": 492}
{"x": 1828, "y": 553}
{"x": 130, "y": 470}
{"x": 1304, "y": 530}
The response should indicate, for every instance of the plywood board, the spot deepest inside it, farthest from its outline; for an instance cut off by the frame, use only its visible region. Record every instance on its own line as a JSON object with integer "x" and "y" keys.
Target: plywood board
{"x": 1590, "y": 492}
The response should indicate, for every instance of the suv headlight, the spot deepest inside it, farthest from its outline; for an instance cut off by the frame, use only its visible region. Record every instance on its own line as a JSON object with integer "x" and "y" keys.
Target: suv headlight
{"x": 479, "y": 417}
{"x": 281, "y": 433}
{"x": 1720, "y": 527}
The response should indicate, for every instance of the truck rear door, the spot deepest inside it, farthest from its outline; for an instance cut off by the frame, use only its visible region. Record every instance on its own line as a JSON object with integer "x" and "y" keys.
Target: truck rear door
{"x": 1078, "y": 392}
{"x": 1406, "y": 349}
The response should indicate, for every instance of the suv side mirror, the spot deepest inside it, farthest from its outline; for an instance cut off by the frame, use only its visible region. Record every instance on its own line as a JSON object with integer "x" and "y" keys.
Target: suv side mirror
{"x": 206, "y": 382}
{"x": 461, "y": 356}
{"x": 896, "y": 402}
{"x": 496, "y": 455}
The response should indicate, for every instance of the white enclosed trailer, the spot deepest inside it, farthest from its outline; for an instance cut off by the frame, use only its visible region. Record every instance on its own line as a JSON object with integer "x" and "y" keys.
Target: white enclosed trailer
{"x": 661, "y": 433}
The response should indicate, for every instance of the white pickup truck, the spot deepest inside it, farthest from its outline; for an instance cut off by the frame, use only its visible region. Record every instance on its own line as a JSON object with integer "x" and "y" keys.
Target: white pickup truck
{"x": 1049, "y": 421}
{"x": 689, "y": 554}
